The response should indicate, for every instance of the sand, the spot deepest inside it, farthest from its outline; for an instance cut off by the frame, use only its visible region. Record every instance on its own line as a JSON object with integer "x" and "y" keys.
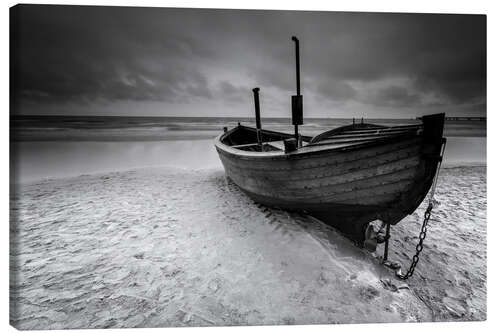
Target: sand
{"x": 158, "y": 247}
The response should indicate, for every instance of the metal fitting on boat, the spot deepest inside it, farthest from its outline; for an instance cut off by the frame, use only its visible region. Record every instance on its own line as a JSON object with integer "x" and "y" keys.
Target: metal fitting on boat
{"x": 290, "y": 145}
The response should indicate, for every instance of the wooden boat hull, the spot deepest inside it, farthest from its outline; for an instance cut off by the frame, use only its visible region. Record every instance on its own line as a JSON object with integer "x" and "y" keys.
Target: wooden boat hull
{"x": 347, "y": 187}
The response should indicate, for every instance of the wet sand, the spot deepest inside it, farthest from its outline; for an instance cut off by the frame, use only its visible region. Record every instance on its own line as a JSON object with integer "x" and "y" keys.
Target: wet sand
{"x": 158, "y": 247}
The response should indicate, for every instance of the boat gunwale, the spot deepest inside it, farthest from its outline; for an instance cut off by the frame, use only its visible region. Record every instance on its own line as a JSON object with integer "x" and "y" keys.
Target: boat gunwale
{"x": 376, "y": 128}
{"x": 301, "y": 153}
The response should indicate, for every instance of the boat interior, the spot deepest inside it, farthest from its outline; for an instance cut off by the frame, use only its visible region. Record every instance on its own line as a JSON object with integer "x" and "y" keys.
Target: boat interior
{"x": 245, "y": 138}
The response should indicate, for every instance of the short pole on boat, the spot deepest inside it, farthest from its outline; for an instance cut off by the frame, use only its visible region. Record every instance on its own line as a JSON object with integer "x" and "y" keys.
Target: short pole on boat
{"x": 297, "y": 99}
{"x": 257, "y": 114}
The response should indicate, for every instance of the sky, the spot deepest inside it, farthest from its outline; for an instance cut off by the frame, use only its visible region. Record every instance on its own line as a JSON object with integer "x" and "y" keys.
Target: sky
{"x": 123, "y": 61}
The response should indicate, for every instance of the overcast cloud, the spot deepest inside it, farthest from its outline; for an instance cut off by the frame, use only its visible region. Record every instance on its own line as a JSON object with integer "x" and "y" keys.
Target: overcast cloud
{"x": 78, "y": 60}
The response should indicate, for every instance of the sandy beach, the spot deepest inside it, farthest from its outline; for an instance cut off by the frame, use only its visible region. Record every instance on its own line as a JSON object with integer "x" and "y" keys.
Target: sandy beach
{"x": 162, "y": 246}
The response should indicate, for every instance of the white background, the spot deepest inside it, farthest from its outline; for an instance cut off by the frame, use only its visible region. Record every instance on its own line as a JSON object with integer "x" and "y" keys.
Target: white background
{"x": 491, "y": 8}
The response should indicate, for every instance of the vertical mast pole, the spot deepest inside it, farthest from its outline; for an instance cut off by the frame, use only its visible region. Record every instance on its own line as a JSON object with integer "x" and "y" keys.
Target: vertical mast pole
{"x": 257, "y": 114}
{"x": 297, "y": 100}
{"x": 297, "y": 63}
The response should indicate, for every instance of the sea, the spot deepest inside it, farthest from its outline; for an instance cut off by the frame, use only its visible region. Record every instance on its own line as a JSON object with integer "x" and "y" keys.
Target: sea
{"x": 45, "y": 147}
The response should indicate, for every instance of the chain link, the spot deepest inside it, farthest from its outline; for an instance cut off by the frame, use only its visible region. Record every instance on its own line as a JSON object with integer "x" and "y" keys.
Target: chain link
{"x": 420, "y": 245}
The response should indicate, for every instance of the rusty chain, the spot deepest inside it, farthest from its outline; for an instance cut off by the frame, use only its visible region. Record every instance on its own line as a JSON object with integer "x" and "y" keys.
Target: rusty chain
{"x": 419, "y": 247}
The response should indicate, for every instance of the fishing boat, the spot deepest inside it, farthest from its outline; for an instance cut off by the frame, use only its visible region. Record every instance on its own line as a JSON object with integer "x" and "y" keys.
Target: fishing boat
{"x": 346, "y": 177}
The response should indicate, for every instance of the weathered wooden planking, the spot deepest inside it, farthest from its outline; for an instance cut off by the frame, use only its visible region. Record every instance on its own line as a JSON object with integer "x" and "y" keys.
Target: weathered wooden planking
{"x": 323, "y": 172}
{"x": 372, "y": 135}
{"x": 360, "y": 129}
{"x": 344, "y": 147}
{"x": 382, "y": 130}
{"x": 332, "y": 192}
{"x": 334, "y": 140}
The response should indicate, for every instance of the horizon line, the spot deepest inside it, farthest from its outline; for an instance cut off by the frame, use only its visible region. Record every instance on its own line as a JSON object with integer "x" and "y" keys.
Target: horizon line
{"x": 242, "y": 117}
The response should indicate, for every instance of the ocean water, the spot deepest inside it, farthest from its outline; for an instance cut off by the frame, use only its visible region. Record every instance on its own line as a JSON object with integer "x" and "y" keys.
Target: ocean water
{"x": 55, "y": 147}
{"x": 56, "y": 128}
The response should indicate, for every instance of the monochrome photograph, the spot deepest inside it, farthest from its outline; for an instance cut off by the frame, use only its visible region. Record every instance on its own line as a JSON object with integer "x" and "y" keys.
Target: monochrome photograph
{"x": 197, "y": 167}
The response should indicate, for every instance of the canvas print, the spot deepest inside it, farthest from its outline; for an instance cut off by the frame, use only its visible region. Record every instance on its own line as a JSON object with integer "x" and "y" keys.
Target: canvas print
{"x": 217, "y": 167}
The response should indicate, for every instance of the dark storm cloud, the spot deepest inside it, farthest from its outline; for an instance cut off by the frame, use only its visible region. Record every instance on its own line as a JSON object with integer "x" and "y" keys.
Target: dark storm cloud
{"x": 232, "y": 93}
{"x": 337, "y": 90}
{"x": 70, "y": 53}
{"x": 394, "y": 96}
{"x": 443, "y": 54}
{"x": 87, "y": 54}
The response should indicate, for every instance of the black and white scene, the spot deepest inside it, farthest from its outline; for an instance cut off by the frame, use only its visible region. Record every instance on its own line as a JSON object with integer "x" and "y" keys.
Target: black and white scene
{"x": 217, "y": 167}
